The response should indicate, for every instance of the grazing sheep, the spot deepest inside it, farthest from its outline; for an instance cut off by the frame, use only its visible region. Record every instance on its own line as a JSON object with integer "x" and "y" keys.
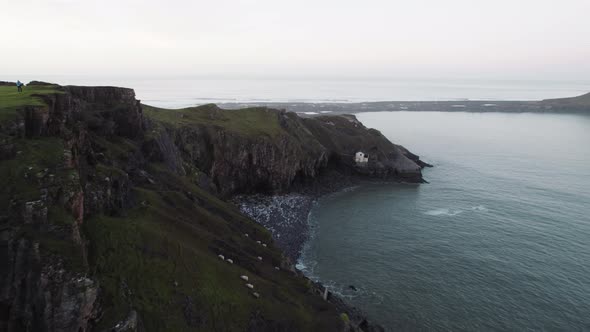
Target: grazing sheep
{"x": 245, "y": 278}
{"x": 250, "y": 286}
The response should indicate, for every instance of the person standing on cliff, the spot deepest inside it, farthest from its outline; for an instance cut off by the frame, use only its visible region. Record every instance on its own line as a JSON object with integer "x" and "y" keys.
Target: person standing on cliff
{"x": 19, "y": 86}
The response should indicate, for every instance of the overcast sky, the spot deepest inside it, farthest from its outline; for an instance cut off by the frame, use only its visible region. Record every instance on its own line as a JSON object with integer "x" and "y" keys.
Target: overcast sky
{"x": 538, "y": 39}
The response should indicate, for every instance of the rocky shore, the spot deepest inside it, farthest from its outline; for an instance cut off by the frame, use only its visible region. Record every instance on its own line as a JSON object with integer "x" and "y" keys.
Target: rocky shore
{"x": 286, "y": 217}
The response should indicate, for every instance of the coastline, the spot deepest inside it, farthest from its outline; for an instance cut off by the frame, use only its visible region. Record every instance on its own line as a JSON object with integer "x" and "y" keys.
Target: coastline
{"x": 287, "y": 215}
{"x": 313, "y": 109}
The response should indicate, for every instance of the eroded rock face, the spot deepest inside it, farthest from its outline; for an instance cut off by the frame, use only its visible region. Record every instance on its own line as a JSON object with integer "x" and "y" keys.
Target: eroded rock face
{"x": 104, "y": 110}
{"x": 344, "y": 135}
{"x": 38, "y": 294}
{"x": 43, "y": 283}
{"x": 248, "y": 164}
{"x": 238, "y": 163}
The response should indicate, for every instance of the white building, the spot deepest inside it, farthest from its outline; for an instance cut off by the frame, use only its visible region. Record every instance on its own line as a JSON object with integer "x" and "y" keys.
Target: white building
{"x": 361, "y": 158}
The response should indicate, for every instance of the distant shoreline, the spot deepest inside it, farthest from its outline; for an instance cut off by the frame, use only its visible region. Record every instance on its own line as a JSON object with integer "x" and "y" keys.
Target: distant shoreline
{"x": 566, "y": 105}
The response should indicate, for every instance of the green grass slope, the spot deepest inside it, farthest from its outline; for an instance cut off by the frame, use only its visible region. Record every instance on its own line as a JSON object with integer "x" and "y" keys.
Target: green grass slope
{"x": 11, "y": 100}
{"x": 161, "y": 260}
{"x": 249, "y": 121}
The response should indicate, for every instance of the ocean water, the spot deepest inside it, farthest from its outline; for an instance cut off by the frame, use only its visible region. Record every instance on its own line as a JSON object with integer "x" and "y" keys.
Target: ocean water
{"x": 498, "y": 240}
{"x": 177, "y": 92}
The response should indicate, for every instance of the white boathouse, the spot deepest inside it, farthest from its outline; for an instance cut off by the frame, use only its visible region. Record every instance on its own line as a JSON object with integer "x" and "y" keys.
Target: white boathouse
{"x": 361, "y": 158}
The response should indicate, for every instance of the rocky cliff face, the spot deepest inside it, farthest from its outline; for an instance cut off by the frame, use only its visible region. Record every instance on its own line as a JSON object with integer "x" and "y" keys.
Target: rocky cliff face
{"x": 298, "y": 150}
{"x": 107, "y": 212}
{"x": 44, "y": 284}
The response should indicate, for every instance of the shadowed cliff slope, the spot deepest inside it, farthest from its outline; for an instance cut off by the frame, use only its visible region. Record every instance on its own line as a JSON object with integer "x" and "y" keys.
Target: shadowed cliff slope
{"x": 112, "y": 213}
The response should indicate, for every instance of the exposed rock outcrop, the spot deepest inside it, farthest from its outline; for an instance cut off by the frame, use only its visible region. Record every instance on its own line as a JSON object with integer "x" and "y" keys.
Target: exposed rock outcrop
{"x": 42, "y": 291}
{"x": 38, "y": 293}
{"x": 300, "y": 150}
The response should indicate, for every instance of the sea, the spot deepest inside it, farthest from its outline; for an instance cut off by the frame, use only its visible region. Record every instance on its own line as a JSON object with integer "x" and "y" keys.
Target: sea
{"x": 498, "y": 240}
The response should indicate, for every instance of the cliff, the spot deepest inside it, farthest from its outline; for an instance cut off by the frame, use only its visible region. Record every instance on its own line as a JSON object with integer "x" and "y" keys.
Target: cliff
{"x": 265, "y": 150}
{"x": 113, "y": 214}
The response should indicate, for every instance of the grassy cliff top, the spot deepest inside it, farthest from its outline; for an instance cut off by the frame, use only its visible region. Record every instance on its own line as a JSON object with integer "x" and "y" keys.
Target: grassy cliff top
{"x": 249, "y": 121}
{"x": 12, "y": 100}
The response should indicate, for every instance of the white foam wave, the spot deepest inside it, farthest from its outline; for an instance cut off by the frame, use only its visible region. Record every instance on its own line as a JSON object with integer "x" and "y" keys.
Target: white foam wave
{"x": 454, "y": 212}
{"x": 479, "y": 208}
{"x": 443, "y": 212}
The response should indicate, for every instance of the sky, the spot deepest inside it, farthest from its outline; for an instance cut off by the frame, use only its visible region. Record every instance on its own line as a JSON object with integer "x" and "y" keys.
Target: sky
{"x": 503, "y": 39}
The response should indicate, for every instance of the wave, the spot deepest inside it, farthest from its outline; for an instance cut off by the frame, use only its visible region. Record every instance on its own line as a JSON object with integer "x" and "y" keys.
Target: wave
{"x": 454, "y": 212}
{"x": 443, "y": 212}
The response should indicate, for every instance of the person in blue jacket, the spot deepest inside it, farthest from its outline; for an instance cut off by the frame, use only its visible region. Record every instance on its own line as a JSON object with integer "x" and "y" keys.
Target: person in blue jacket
{"x": 19, "y": 86}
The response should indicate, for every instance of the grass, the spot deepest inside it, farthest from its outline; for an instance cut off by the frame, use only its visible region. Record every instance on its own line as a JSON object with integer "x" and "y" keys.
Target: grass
{"x": 41, "y": 161}
{"x": 248, "y": 121}
{"x": 56, "y": 244}
{"x": 11, "y": 100}
{"x": 163, "y": 254}
{"x": 19, "y": 176}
